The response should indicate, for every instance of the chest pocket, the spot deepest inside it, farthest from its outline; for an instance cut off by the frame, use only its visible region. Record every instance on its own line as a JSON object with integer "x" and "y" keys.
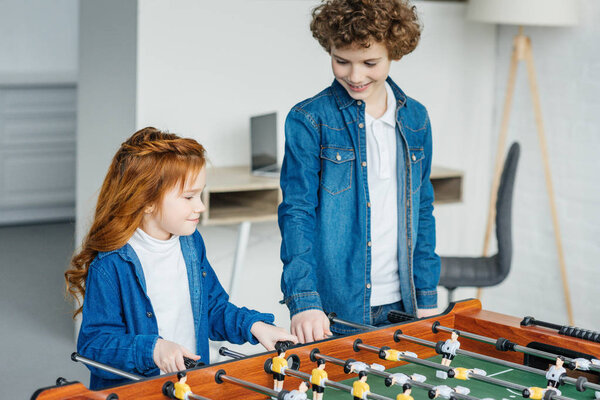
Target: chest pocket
{"x": 336, "y": 169}
{"x": 416, "y": 156}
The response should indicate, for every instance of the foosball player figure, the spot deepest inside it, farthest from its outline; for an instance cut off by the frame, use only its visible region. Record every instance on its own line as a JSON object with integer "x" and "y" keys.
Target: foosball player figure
{"x": 584, "y": 364}
{"x": 555, "y": 374}
{"x": 182, "y": 389}
{"x": 448, "y": 351}
{"x": 406, "y": 391}
{"x": 396, "y": 355}
{"x": 446, "y": 392}
{"x": 278, "y": 368}
{"x": 360, "y": 387}
{"x": 463, "y": 373}
{"x": 318, "y": 377}
{"x": 298, "y": 394}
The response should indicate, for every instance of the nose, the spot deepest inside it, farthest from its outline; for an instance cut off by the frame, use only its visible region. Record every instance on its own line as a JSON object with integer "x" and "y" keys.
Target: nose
{"x": 199, "y": 207}
{"x": 355, "y": 75}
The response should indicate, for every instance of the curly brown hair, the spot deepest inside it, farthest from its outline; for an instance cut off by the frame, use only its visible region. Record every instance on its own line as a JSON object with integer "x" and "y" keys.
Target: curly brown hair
{"x": 345, "y": 23}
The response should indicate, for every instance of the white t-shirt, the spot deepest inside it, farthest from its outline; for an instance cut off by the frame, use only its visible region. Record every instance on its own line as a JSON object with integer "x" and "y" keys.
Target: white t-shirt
{"x": 383, "y": 192}
{"x": 167, "y": 287}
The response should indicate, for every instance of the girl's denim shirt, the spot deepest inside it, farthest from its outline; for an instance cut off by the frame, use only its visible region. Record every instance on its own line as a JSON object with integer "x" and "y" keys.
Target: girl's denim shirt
{"x": 119, "y": 327}
{"x": 325, "y": 214}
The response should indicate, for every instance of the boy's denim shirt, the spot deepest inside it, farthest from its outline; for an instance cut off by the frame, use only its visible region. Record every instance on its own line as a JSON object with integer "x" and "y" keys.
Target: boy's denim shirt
{"x": 325, "y": 214}
{"x": 119, "y": 327}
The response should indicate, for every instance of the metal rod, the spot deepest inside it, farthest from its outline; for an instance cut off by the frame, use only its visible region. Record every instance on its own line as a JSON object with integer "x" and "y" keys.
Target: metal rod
{"x": 333, "y": 384}
{"x": 566, "y": 379}
{"x": 516, "y": 347}
{"x": 490, "y": 380}
{"x": 335, "y": 320}
{"x": 384, "y": 374}
{"x": 249, "y": 385}
{"x": 84, "y": 360}
{"x": 224, "y": 351}
{"x": 403, "y": 357}
{"x": 569, "y": 380}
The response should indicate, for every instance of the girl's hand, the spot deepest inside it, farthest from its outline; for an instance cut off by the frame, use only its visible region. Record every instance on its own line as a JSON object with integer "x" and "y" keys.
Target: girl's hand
{"x": 426, "y": 312}
{"x": 310, "y": 325}
{"x": 168, "y": 356}
{"x": 268, "y": 335}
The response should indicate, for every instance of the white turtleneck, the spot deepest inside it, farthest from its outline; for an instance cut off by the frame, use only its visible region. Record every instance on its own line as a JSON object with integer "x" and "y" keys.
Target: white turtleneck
{"x": 167, "y": 286}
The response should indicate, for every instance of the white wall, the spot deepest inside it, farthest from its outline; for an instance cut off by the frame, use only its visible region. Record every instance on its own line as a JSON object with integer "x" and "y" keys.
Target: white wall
{"x": 567, "y": 62}
{"x": 38, "y": 37}
{"x": 106, "y": 102}
{"x": 38, "y": 73}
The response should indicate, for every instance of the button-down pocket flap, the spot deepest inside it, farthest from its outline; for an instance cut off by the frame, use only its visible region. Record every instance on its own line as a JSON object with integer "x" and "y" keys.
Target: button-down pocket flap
{"x": 336, "y": 155}
{"x": 416, "y": 155}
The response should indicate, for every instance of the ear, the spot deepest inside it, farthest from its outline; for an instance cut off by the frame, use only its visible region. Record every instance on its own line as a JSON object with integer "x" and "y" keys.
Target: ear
{"x": 149, "y": 209}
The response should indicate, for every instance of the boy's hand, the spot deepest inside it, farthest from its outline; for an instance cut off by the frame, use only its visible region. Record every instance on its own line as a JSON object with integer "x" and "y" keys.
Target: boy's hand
{"x": 310, "y": 325}
{"x": 426, "y": 312}
{"x": 268, "y": 335}
{"x": 168, "y": 356}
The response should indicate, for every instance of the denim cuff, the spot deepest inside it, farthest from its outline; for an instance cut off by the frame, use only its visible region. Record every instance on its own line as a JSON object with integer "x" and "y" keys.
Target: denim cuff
{"x": 262, "y": 317}
{"x": 426, "y": 298}
{"x": 144, "y": 351}
{"x": 303, "y": 301}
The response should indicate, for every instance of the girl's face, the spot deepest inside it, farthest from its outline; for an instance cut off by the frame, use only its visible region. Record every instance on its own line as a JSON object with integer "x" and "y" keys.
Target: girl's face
{"x": 179, "y": 212}
{"x": 362, "y": 71}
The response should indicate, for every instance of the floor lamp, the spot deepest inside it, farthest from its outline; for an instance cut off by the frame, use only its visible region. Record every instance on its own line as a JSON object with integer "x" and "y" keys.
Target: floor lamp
{"x": 521, "y": 13}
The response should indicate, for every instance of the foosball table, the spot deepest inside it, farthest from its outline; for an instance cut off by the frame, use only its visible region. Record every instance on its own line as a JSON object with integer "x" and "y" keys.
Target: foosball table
{"x": 496, "y": 356}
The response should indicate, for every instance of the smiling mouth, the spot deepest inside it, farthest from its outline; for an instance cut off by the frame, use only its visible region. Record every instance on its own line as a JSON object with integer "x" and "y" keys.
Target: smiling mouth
{"x": 358, "y": 88}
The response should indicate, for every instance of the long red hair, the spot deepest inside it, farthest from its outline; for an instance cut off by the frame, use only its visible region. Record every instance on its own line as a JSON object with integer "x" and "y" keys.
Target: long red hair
{"x": 144, "y": 169}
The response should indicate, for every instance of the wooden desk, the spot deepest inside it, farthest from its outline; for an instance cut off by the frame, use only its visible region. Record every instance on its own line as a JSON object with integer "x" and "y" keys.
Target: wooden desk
{"x": 447, "y": 184}
{"x": 234, "y": 196}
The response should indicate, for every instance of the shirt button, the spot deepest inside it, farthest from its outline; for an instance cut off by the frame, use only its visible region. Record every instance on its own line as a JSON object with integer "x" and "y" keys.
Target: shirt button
{"x": 369, "y": 244}
{"x": 361, "y": 125}
{"x": 359, "y": 103}
{"x": 338, "y": 157}
{"x": 204, "y": 274}
{"x": 369, "y": 204}
{"x": 368, "y": 286}
{"x": 414, "y": 158}
{"x": 149, "y": 314}
{"x": 364, "y": 163}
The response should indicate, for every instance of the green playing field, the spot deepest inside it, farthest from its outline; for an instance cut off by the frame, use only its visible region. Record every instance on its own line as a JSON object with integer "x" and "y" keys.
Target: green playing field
{"x": 477, "y": 389}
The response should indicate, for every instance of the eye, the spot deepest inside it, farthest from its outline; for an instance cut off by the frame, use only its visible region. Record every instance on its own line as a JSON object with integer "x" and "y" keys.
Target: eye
{"x": 341, "y": 62}
{"x": 370, "y": 64}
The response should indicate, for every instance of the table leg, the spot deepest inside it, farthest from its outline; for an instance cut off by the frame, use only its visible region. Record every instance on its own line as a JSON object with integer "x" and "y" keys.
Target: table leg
{"x": 240, "y": 253}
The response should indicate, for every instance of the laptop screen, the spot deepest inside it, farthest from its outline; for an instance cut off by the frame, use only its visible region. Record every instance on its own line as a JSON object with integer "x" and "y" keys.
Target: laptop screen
{"x": 263, "y": 141}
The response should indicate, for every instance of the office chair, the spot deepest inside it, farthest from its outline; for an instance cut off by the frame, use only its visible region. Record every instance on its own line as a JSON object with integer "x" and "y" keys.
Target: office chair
{"x": 487, "y": 271}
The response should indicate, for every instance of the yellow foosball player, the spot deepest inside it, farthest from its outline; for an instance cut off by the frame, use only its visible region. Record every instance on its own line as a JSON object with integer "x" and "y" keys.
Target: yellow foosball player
{"x": 360, "y": 387}
{"x": 406, "y": 391}
{"x": 182, "y": 389}
{"x": 318, "y": 377}
{"x": 278, "y": 368}
{"x": 396, "y": 355}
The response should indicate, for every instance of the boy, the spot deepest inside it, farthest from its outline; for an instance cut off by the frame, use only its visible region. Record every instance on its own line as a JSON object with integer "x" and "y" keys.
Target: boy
{"x": 358, "y": 233}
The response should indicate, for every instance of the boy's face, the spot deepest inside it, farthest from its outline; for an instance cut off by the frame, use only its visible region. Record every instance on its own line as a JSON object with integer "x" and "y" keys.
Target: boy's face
{"x": 179, "y": 212}
{"x": 362, "y": 71}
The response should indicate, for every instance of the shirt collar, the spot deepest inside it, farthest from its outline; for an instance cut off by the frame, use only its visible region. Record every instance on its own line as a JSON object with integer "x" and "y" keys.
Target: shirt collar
{"x": 389, "y": 117}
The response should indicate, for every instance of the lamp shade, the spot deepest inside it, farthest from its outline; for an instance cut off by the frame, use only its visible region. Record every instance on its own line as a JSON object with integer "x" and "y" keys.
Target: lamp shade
{"x": 525, "y": 12}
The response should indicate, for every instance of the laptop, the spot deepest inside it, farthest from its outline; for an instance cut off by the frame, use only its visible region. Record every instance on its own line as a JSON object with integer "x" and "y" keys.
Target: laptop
{"x": 263, "y": 145}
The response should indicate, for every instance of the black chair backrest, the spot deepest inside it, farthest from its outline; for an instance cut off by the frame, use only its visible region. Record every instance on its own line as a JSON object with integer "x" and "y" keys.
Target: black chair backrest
{"x": 504, "y": 208}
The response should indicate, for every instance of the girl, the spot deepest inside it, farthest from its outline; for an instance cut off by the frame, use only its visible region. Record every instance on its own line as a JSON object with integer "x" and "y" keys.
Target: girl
{"x": 150, "y": 295}
{"x": 356, "y": 218}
